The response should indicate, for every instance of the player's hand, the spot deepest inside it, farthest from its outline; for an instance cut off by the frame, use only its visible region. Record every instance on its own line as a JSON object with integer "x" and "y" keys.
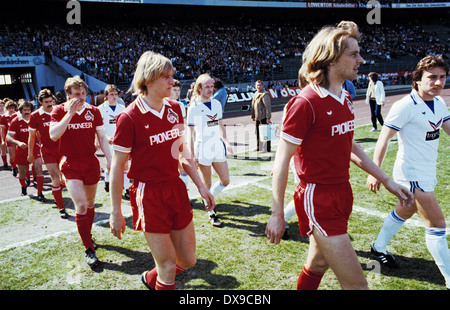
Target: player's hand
{"x": 117, "y": 224}
{"x": 31, "y": 159}
{"x": 405, "y": 197}
{"x": 208, "y": 197}
{"x": 373, "y": 184}
{"x": 74, "y": 104}
{"x": 229, "y": 150}
{"x": 275, "y": 228}
{"x": 22, "y": 145}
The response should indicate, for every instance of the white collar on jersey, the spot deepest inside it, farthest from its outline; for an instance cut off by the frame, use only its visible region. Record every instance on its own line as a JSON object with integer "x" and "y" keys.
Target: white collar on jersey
{"x": 417, "y": 99}
{"x": 144, "y": 107}
{"x": 41, "y": 111}
{"x": 322, "y": 92}
{"x": 20, "y": 118}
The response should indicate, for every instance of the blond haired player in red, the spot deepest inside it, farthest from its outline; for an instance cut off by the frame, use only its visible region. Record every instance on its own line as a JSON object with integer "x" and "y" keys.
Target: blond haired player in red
{"x": 76, "y": 123}
{"x": 318, "y": 131}
{"x": 39, "y": 125}
{"x": 18, "y": 136}
{"x": 150, "y": 130}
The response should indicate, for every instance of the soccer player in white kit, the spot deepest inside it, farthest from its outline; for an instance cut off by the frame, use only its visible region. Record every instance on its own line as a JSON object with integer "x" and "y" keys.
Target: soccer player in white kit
{"x": 211, "y": 145}
{"x": 110, "y": 109}
{"x": 175, "y": 95}
{"x": 417, "y": 119}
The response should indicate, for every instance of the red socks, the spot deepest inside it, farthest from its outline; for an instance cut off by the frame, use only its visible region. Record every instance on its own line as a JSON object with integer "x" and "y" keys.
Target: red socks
{"x": 40, "y": 183}
{"x": 152, "y": 281}
{"x": 57, "y": 194}
{"x": 84, "y": 225}
{"x": 308, "y": 279}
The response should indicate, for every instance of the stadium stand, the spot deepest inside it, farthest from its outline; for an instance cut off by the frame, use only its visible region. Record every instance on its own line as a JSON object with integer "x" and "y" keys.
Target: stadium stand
{"x": 236, "y": 49}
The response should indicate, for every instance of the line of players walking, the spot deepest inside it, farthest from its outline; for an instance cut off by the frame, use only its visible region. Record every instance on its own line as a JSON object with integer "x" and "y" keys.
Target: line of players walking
{"x": 151, "y": 148}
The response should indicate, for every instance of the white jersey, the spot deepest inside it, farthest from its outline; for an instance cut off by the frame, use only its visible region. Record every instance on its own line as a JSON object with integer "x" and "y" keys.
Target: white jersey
{"x": 205, "y": 120}
{"x": 109, "y": 117}
{"x": 183, "y": 108}
{"x": 418, "y": 136}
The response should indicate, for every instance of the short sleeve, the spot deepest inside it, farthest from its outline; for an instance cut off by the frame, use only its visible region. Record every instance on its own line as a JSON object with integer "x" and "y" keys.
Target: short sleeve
{"x": 57, "y": 114}
{"x": 297, "y": 120}
{"x": 13, "y": 127}
{"x": 32, "y": 124}
{"x": 190, "y": 116}
{"x": 125, "y": 133}
{"x": 398, "y": 116}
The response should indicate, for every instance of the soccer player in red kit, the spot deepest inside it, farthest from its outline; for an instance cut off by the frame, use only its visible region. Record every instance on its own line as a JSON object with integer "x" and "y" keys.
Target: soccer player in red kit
{"x": 18, "y": 136}
{"x": 40, "y": 123}
{"x": 318, "y": 130}
{"x": 76, "y": 124}
{"x": 11, "y": 112}
{"x": 151, "y": 131}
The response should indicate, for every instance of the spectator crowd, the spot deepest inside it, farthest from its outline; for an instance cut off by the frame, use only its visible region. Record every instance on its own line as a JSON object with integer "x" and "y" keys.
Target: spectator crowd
{"x": 237, "y": 52}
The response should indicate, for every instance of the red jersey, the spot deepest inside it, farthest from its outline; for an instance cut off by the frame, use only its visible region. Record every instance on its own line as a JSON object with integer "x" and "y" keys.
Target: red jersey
{"x": 151, "y": 138}
{"x": 6, "y": 119}
{"x": 18, "y": 128}
{"x": 78, "y": 141}
{"x": 40, "y": 121}
{"x": 322, "y": 125}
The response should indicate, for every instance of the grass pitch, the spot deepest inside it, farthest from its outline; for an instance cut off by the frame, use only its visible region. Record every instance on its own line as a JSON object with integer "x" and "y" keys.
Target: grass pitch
{"x": 39, "y": 251}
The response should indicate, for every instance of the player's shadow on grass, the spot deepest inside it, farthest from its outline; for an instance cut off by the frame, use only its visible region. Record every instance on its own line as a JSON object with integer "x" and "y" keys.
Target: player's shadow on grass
{"x": 410, "y": 268}
{"x": 143, "y": 260}
{"x": 237, "y": 215}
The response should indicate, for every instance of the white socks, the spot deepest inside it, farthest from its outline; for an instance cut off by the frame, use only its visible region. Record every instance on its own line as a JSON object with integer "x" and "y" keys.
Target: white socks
{"x": 436, "y": 241}
{"x": 185, "y": 179}
{"x": 217, "y": 188}
{"x": 289, "y": 210}
{"x": 391, "y": 225}
{"x": 126, "y": 181}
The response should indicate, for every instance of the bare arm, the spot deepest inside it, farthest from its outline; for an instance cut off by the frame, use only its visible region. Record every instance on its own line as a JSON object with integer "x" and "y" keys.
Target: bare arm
{"x": 31, "y": 142}
{"x": 359, "y": 158}
{"x": 224, "y": 138}
{"x": 446, "y": 127}
{"x": 116, "y": 219}
{"x": 380, "y": 152}
{"x": 104, "y": 146}
{"x": 10, "y": 139}
{"x": 189, "y": 166}
{"x": 275, "y": 226}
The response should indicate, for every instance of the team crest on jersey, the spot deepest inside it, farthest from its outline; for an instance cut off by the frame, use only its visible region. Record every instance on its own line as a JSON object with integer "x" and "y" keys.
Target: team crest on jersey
{"x": 212, "y": 117}
{"x": 350, "y": 105}
{"x": 172, "y": 117}
{"x": 89, "y": 116}
{"x": 437, "y": 125}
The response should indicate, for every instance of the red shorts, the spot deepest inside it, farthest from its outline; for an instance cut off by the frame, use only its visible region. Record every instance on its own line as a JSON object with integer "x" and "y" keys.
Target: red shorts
{"x": 50, "y": 156}
{"x": 85, "y": 169}
{"x": 160, "y": 208}
{"x": 324, "y": 207}
{"x": 21, "y": 155}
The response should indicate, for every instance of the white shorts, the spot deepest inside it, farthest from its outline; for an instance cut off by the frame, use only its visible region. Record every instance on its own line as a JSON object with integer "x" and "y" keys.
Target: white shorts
{"x": 210, "y": 151}
{"x": 424, "y": 186}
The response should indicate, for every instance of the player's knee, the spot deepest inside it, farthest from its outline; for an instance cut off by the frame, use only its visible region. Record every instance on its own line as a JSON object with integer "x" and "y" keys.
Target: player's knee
{"x": 189, "y": 263}
{"x": 225, "y": 182}
{"x": 355, "y": 284}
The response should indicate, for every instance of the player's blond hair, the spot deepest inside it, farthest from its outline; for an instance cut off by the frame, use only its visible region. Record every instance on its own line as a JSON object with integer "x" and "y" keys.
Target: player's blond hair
{"x": 325, "y": 48}
{"x": 202, "y": 79}
{"x": 150, "y": 67}
{"x": 74, "y": 82}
